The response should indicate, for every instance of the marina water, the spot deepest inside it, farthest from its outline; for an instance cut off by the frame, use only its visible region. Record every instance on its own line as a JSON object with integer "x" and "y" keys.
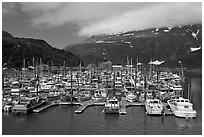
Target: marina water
{"x": 61, "y": 120}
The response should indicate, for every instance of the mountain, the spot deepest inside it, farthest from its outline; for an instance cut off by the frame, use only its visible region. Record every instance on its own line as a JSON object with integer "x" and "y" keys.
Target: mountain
{"x": 167, "y": 44}
{"x": 15, "y": 50}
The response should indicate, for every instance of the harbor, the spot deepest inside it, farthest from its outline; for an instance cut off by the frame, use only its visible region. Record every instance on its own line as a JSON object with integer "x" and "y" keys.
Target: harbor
{"x": 115, "y": 87}
{"x": 93, "y": 121}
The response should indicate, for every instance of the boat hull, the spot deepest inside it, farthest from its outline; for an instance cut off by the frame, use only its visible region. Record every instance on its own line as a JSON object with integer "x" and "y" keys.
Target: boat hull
{"x": 181, "y": 113}
{"x": 111, "y": 110}
{"x": 184, "y": 114}
{"x": 131, "y": 100}
{"x": 154, "y": 110}
{"x": 27, "y": 110}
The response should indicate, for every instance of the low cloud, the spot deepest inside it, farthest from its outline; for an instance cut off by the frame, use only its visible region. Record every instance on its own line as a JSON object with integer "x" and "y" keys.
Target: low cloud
{"x": 100, "y": 18}
{"x": 162, "y": 15}
{"x": 9, "y": 9}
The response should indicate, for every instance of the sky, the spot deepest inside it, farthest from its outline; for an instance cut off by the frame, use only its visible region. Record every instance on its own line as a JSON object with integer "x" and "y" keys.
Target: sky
{"x": 65, "y": 23}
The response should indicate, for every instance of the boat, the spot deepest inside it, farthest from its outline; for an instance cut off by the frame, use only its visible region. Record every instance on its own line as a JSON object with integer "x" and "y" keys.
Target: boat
{"x": 182, "y": 107}
{"x": 53, "y": 97}
{"x": 99, "y": 94}
{"x": 131, "y": 97}
{"x": 118, "y": 85}
{"x": 112, "y": 105}
{"x": 8, "y": 107}
{"x": 84, "y": 95}
{"x": 154, "y": 107}
{"x": 27, "y": 104}
{"x": 165, "y": 94}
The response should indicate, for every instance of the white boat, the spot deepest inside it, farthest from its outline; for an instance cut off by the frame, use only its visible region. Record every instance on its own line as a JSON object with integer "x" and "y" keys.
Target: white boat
{"x": 182, "y": 107}
{"x": 131, "y": 97}
{"x": 154, "y": 107}
{"x": 99, "y": 94}
{"x": 27, "y": 104}
{"x": 7, "y": 108}
{"x": 118, "y": 84}
{"x": 112, "y": 105}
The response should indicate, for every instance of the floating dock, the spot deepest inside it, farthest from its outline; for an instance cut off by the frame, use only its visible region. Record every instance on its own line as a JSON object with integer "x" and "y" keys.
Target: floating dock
{"x": 124, "y": 104}
{"x": 81, "y": 108}
{"x": 167, "y": 111}
{"x": 84, "y": 105}
{"x": 42, "y": 108}
{"x": 122, "y": 110}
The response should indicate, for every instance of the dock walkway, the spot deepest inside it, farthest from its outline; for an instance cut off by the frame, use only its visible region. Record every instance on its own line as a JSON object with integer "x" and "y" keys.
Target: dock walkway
{"x": 84, "y": 105}
{"x": 124, "y": 104}
{"x": 167, "y": 112}
{"x": 43, "y": 107}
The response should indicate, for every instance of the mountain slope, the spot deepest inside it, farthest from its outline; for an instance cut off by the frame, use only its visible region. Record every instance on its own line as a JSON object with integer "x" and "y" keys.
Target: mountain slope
{"x": 168, "y": 44}
{"x": 14, "y": 50}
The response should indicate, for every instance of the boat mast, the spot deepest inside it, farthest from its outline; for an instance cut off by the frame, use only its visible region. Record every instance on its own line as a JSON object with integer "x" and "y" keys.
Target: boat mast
{"x": 182, "y": 74}
{"x": 33, "y": 66}
{"x": 145, "y": 86}
{"x": 71, "y": 86}
{"x": 41, "y": 67}
{"x": 37, "y": 76}
{"x": 114, "y": 82}
{"x": 189, "y": 90}
{"x": 64, "y": 68}
{"x": 23, "y": 63}
{"x": 127, "y": 68}
{"x": 131, "y": 68}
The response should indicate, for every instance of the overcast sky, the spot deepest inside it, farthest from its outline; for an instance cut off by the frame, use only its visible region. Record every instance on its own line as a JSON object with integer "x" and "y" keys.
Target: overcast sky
{"x": 61, "y": 24}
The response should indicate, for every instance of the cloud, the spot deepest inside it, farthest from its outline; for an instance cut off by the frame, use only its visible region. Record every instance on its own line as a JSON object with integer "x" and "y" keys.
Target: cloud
{"x": 162, "y": 15}
{"x": 98, "y": 18}
{"x": 9, "y": 9}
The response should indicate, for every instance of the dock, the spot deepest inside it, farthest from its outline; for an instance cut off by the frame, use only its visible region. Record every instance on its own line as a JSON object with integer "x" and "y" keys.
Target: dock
{"x": 81, "y": 108}
{"x": 122, "y": 110}
{"x": 167, "y": 112}
{"x": 38, "y": 110}
{"x": 84, "y": 105}
{"x": 124, "y": 104}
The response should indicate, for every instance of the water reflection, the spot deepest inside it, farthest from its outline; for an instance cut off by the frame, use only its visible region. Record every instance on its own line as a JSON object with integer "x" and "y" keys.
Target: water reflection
{"x": 111, "y": 118}
{"x": 183, "y": 123}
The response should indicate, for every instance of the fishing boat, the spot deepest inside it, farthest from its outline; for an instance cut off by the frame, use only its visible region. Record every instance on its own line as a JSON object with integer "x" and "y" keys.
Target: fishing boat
{"x": 84, "y": 95}
{"x": 27, "y": 104}
{"x": 165, "y": 94}
{"x": 112, "y": 105}
{"x": 154, "y": 107}
{"x": 99, "y": 94}
{"x": 182, "y": 107}
{"x": 131, "y": 97}
{"x": 7, "y": 107}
